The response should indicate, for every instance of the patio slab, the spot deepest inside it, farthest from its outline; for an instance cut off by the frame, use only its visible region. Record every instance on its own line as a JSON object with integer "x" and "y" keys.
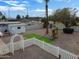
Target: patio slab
{"x": 32, "y": 52}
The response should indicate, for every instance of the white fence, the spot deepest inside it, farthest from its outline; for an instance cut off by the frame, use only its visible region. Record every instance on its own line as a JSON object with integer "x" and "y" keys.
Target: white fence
{"x": 76, "y": 28}
{"x": 67, "y": 55}
{"x": 54, "y": 50}
{"x": 47, "y": 47}
{"x": 17, "y": 45}
{"x": 61, "y": 26}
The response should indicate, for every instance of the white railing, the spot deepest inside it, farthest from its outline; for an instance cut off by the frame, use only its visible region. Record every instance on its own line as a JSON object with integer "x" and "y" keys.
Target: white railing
{"x": 54, "y": 50}
{"x": 47, "y": 47}
{"x": 17, "y": 45}
{"x": 67, "y": 55}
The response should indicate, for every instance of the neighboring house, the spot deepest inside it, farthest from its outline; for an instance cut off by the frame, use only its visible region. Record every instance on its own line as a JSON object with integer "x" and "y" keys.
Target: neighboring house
{"x": 12, "y": 27}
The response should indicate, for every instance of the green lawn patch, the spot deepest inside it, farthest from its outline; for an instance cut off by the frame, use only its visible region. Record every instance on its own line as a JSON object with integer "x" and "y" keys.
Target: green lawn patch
{"x": 40, "y": 37}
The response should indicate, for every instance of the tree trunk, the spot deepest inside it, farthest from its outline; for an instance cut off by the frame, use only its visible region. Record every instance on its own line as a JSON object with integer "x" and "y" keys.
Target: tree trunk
{"x": 47, "y": 18}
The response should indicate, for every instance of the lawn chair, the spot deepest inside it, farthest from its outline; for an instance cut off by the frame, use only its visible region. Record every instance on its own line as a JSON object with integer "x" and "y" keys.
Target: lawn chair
{"x": 1, "y": 34}
{"x": 3, "y": 49}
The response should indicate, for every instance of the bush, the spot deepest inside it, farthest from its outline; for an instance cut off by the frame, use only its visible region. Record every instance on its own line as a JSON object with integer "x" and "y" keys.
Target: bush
{"x": 73, "y": 23}
{"x": 45, "y": 22}
{"x": 68, "y": 30}
{"x": 67, "y": 24}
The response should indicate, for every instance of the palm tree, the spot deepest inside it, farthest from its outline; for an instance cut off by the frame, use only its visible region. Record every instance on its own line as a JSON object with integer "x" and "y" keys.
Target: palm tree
{"x": 46, "y": 8}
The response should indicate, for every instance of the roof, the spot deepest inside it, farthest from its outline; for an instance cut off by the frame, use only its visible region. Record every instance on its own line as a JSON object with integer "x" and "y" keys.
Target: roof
{"x": 19, "y": 24}
{"x": 9, "y": 22}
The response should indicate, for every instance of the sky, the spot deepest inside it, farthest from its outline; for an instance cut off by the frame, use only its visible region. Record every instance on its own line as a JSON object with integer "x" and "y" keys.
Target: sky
{"x": 36, "y": 8}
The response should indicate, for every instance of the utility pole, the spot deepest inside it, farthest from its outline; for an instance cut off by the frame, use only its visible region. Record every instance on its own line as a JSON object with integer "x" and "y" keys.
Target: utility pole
{"x": 46, "y": 8}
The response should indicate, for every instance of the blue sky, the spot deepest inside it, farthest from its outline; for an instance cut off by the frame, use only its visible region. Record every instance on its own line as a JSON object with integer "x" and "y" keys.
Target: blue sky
{"x": 35, "y": 7}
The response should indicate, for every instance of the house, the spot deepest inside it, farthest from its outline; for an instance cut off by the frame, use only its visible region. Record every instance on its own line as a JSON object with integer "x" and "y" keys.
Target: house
{"x": 12, "y": 27}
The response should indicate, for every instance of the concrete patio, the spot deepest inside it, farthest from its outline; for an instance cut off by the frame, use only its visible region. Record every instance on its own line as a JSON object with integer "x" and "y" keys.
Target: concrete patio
{"x": 32, "y": 52}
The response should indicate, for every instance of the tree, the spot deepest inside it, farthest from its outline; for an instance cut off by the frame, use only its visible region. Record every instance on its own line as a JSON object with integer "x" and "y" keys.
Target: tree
{"x": 27, "y": 16}
{"x": 64, "y": 15}
{"x": 44, "y": 21}
{"x": 3, "y": 17}
{"x": 1, "y": 13}
{"x": 46, "y": 8}
{"x": 18, "y": 17}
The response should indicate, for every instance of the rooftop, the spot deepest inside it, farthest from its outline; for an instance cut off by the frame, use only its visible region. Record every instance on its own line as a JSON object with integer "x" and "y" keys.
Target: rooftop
{"x": 9, "y": 22}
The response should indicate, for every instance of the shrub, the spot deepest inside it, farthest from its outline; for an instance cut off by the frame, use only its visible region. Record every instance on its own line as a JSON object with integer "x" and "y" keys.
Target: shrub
{"x": 68, "y": 30}
{"x": 73, "y": 23}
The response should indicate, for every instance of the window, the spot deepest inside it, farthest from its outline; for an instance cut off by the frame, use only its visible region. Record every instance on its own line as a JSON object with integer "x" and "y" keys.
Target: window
{"x": 18, "y": 27}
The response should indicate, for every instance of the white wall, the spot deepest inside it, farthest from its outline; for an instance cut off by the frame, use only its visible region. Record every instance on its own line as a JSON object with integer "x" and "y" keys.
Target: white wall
{"x": 3, "y": 28}
{"x": 76, "y": 28}
{"x": 14, "y": 28}
{"x": 61, "y": 26}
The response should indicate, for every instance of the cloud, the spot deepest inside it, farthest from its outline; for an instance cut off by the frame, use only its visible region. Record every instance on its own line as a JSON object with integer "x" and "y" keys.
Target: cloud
{"x": 42, "y": 11}
{"x": 26, "y": 2}
{"x": 5, "y": 8}
{"x": 17, "y": 8}
{"x": 11, "y": 2}
{"x": 39, "y": 1}
{"x": 77, "y": 11}
{"x": 17, "y": 3}
{"x": 64, "y": 0}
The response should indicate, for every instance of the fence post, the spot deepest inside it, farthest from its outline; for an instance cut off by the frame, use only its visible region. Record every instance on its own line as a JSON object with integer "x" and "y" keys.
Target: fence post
{"x": 59, "y": 56}
{"x": 78, "y": 56}
{"x": 59, "y": 53}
